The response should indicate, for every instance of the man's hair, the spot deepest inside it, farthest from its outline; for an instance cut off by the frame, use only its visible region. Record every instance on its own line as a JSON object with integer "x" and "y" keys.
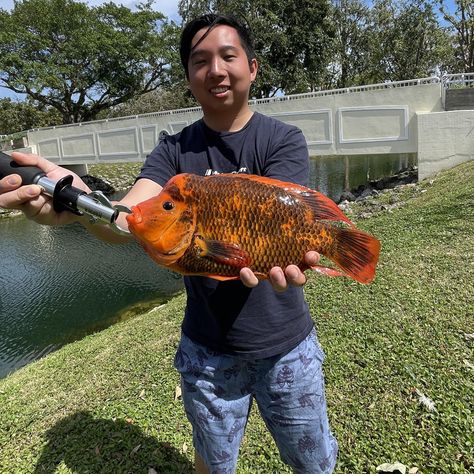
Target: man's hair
{"x": 210, "y": 21}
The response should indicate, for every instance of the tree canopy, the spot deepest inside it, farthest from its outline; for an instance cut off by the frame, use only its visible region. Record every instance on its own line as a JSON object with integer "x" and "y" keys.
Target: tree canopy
{"x": 81, "y": 60}
{"x": 461, "y": 26}
{"x": 86, "y": 62}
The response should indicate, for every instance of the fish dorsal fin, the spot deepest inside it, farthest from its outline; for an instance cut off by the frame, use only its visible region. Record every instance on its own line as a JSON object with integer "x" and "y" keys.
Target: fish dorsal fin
{"x": 323, "y": 207}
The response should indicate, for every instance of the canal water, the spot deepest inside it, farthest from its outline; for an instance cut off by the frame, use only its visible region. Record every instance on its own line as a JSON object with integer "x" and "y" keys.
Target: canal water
{"x": 59, "y": 284}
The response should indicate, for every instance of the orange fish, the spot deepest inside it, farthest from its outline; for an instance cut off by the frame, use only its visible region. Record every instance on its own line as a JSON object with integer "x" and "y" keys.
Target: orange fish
{"x": 216, "y": 225}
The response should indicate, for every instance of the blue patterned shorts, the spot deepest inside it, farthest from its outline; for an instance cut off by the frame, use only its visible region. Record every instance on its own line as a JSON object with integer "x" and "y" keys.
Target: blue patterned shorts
{"x": 218, "y": 389}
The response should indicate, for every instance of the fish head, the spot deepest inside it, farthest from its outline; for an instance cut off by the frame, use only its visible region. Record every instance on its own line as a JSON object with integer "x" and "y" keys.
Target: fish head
{"x": 164, "y": 224}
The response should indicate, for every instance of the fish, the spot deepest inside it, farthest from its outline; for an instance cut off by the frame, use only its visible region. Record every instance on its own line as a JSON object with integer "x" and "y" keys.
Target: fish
{"x": 215, "y": 225}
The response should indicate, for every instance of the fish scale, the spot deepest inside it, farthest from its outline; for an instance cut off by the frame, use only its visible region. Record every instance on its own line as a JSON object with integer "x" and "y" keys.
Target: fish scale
{"x": 217, "y": 224}
{"x": 256, "y": 229}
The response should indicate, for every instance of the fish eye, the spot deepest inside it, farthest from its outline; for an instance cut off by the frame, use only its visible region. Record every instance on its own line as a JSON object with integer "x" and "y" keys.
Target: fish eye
{"x": 168, "y": 205}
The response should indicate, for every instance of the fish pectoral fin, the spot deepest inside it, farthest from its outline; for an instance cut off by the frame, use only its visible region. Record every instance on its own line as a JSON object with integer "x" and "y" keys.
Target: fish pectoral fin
{"x": 223, "y": 252}
{"x": 327, "y": 271}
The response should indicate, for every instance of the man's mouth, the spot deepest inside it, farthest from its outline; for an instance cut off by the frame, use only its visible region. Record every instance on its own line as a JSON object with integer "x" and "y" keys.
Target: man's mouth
{"x": 219, "y": 90}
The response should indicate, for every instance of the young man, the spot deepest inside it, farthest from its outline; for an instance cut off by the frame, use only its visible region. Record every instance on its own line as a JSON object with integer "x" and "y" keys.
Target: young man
{"x": 241, "y": 340}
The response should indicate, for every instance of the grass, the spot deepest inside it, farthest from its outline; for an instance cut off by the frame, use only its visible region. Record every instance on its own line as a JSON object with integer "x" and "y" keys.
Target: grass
{"x": 106, "y": 404}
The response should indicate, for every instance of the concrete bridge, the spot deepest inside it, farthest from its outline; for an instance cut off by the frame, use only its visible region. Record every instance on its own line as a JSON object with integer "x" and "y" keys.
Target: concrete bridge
{"x": 395, "y": 117}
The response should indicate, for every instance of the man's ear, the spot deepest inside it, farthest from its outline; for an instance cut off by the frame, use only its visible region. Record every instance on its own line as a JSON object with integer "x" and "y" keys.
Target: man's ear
{"x": 253, "y": 65}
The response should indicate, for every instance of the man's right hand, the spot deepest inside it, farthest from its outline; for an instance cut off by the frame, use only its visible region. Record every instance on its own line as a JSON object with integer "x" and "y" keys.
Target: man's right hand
{"x": 28, "y": 198}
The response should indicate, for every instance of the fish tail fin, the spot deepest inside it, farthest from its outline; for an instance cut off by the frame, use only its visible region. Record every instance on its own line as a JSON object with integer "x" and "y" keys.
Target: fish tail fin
{"x": 356, "y": 253}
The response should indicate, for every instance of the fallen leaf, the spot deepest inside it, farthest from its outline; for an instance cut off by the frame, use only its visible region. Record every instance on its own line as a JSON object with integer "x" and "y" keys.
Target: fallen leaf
{"x": 97, "y": 451}
{"x": 177, "y": 393}
{"x": 142, "y": 394}
{"x": 469, "y": 337}
{"x": 425, "y": 401}
{"x": 185, "y": 448}
{"x": 413, "y": 470}
{"x": 395, "y": 468}
{"x": 135, "y": 449}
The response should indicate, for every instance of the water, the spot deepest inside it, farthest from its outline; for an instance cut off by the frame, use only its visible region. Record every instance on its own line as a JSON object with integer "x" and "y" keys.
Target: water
{"x": 332, "y": 175}
{"x": 59, "y": 284}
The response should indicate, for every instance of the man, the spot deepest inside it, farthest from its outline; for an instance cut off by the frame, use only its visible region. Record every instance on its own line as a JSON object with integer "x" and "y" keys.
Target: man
{"x": 241, "y": 340}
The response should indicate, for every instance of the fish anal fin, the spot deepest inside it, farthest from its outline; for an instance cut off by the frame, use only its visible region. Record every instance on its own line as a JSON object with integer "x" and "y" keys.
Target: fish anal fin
{"x": 331, "y": 272}
{"x": 222, "y": 278}
{"x": 223, "y": 252}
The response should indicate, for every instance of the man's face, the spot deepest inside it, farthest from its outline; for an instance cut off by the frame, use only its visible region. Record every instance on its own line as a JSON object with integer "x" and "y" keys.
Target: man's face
{"x": 219, "y": 72}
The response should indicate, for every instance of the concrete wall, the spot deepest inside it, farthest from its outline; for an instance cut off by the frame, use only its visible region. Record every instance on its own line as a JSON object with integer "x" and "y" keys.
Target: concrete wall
{"x": 360, "y": 123}
{"x": 445, "y": 139}
{"x": 375, "y": 121}
{"x": 460, "y": 99}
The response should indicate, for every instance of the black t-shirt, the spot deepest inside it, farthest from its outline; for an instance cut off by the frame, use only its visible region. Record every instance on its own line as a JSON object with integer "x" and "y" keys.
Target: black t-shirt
{"x": 227, "y": 316}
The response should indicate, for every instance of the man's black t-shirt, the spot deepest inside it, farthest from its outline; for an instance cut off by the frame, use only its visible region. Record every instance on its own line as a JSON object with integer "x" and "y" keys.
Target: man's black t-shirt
{"x": 227, "y": 316}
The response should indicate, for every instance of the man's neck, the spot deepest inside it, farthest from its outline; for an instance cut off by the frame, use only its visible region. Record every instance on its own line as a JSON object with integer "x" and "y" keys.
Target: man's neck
{"x": 231, "y": 123}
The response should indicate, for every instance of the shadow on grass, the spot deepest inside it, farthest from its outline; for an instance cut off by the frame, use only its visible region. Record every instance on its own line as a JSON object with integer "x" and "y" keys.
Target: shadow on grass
{"x": 92, "y": 445}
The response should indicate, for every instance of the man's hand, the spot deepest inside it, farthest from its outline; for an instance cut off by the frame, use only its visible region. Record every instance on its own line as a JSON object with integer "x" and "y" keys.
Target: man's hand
{"x": 36, "y": 206}
{"x": 279, "y": 278}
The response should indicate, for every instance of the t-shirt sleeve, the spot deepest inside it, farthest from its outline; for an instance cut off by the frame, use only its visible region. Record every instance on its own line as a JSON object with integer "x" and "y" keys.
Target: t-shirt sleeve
{"x": 160, "y": 164}
{"x": 288, "y": 158}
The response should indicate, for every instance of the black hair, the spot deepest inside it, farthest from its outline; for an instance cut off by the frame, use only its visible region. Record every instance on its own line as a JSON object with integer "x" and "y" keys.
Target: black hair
{"x": 210, "y": 21}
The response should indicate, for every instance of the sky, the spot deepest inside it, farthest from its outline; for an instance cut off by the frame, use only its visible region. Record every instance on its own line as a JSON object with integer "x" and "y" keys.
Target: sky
{"x": 169, "y": 8}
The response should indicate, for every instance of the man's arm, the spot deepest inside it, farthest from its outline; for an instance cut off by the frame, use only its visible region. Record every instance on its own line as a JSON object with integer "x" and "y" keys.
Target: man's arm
{"x": 39, "y": 207}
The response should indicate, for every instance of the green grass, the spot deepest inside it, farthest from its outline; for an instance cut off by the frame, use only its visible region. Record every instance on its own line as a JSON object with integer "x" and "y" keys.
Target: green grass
{"x": 106, "y": 404}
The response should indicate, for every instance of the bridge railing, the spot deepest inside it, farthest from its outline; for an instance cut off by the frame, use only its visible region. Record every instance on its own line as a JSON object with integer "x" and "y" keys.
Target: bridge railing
{"x": 347, "y": 90}
{"x": 452, "y": 81}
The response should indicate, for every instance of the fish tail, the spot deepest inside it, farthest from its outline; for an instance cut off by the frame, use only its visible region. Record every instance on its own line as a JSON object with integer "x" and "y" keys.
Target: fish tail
{"x": 356, "y": 253}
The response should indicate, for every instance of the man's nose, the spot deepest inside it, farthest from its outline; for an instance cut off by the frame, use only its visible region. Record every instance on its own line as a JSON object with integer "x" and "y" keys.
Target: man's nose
{"x": 216, "y": 67}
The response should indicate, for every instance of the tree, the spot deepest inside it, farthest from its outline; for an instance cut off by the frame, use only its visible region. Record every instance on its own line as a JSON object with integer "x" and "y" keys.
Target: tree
{"x": 461, "y": 25}
{"x": 172, "y": 98}
{"x": 292, "y": 40}
{"x": 350, "y": 60}
{"x": 81, "y": 60}
{"x": 20, "y": 116}
{"x": 406, "y": 40}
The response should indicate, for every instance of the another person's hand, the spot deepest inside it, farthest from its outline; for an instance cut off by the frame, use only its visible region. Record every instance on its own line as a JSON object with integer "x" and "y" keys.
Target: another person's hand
{"x": 28, "y": 199}
{"x": 280, "y": 278}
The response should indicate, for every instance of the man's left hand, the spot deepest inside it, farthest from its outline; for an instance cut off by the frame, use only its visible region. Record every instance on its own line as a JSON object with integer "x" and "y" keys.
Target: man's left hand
{"x": 280, "y": 278}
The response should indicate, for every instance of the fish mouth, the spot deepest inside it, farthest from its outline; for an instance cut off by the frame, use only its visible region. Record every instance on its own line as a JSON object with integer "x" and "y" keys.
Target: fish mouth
{"x": 136, "y": 218}
{"x": 165, "y": 245}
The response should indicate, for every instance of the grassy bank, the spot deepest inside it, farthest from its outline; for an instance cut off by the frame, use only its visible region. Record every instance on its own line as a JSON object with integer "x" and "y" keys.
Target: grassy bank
{"x": 399, "y": 366}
